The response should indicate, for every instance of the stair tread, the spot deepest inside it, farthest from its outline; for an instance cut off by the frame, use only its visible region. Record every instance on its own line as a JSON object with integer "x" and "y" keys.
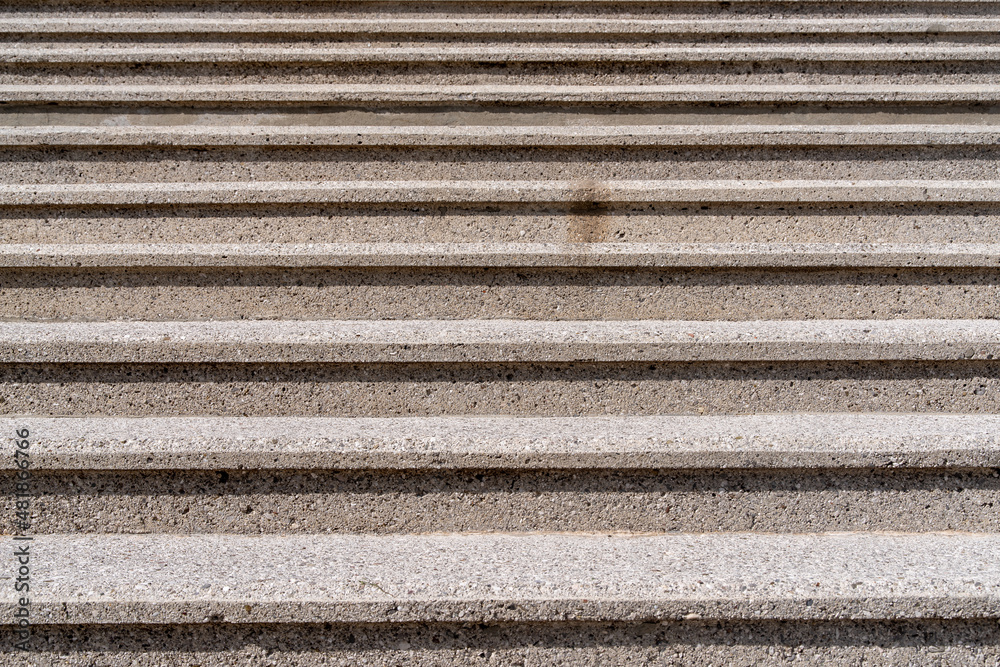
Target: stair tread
{"x": 585, "y": 191}
{"x": 494, "y": 52}
{"x": 502, "y": 93}
{"x": 376, "y": 430}
{"x": 456, "y": 341}
{"x": 605, "y": 134}
{"x": 694, "y": 255}
{"x": 761, "y": 441}
{"x": 353, "y": 578}
{"x": 464, "y": 25}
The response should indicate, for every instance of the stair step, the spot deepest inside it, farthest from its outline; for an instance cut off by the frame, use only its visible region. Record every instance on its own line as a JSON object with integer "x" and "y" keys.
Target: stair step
{"x": 766, "y": 473}
{"x": 700, "y": 643}
{"x": 511, "y": 332}
{"x": 471, "y": 192}
{"x": 457, "y": 222}
{"x": 159, "y": 579}
{"x": 606, "y": 134}
{"x": 496, "y": 93}
{"x": 502, "y": 255}
{"x": 734, "y": 442}
{"x": 464, "y": 25}
{"x": 501, "y": 172}
{"x": 81, "y": 287}
{"x": 264, "y": 388}
{"x": 386, "y": 6}
{"x": 493, "y": 53}
{"x": 523, "y": 341}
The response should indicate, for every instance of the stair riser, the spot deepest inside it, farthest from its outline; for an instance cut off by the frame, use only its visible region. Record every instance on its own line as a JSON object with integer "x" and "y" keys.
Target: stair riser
{"x": 430, "y": 223}
{"x": 544, "y": 294}
{"x": 695, "y": 643}
{"x": 590, "y": 166}
{"x": 83, "y": 46}
{"x": 502, "y": 74}
{"x": 628, "y": 125}
{"x": 527, "y": 54}
{"x": 776, "y": 442}
{"x": 564, "y": 389}
{"x": 252, "y": 502}
{"x": 757, "y": 245}
{"x": 450, "y": 9}
{"x": 411, "y": 21}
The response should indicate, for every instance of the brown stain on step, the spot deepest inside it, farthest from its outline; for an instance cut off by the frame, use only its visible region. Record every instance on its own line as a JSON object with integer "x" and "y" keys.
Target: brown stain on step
{"x": 587, "y": 216}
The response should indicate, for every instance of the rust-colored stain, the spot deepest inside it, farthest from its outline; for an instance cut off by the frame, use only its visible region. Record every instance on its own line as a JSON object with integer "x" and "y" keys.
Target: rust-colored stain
{"x": 587, "y": 217}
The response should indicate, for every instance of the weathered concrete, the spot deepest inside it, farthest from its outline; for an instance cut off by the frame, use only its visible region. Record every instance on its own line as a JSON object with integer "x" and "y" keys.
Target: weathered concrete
{"x": 464, "y": 25}
{"x": 589, "y": 178}
{"x": 605, "y": 134}
{"x": 681, "y": 643}
{"x": 689, "y": 255}
{"x": 276, "y": 502}
{"x": 562, "y": 389}
{"x": 585, "y": 191}
{"x": 680, "y": 222}
{"x": 496, "y": 93}
{"x": 423, "y": 341}
{"x": 160, "y": 579}
{"x": 511, "y": 333}
{"x": 310, "y": 293}
{"x": 722, "y": 442}
{"x": 496, "y": 53}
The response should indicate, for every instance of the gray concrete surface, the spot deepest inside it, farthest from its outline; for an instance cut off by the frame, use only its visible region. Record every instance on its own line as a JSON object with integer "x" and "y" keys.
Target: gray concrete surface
{"x": 605, "y": 135}
{"x": 477, "y": 175}
{"x": 701, "y": 255}
{"x": 494, "y": 92}
{"x": 512, "y": 333}
{"x": 472, "y": 578}
{"x": 384, "y": 502}
{"x": 488, "y": 389}
{"x": 300, "y": 132}
{"x": 310, "y": 293}
{"x": 680, "y": 123}
{"x": 678, "y": 644}
{"x": 680, "y": 222}
{"x": 496, "y": 53}
{"x": 736, "y": 442}
{"x": 585, "y": 191}
{"x": 458, "y": 341}
{"x": 464, "y": 25}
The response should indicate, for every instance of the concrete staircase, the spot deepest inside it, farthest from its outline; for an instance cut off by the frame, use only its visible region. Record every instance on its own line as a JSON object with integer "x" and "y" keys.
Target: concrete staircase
{"x": 503, "y": 333}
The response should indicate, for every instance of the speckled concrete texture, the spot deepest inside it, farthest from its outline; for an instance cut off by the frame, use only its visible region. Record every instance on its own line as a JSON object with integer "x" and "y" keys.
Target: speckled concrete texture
{"x": 494, "y": 52}
{"x": 285, "y": 502}
{"x": 464, "y": 26}
{"x": 767, "y": 442}
{"x": 593, "y": 176}
{"x": 170, "y": 578}
{"x": 517, "y": 389}
{"x": 469, "y": 341}
{"x": 476, "y": 174}
{"x": 505, "y": 255}
{"x": 507, "y": 191}
{"x": 524, "y": 293}
{"x": 698, "y": 643}
{"x": 495, "y": 89}
{"x": 502, "y": 333}
{"x": 708, "y": 222}
{"x": 305, "y": 131}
